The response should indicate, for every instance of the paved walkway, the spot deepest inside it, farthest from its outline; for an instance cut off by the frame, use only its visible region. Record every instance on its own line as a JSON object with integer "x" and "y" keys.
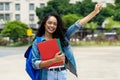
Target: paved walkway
{"x": 93, "y": 63}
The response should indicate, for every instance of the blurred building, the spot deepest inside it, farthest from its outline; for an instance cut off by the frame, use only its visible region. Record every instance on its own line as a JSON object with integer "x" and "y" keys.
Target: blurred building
{"x": 103, "y": 2}
{"x": 24, "y": 10}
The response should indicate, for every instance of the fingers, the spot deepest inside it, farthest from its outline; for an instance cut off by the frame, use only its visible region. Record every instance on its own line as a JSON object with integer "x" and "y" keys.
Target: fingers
{"x": 58, "y": 53}
{"x": 59, "y": 57}
{"x": 99, "y": 6}
{"x": 62, "y": 56}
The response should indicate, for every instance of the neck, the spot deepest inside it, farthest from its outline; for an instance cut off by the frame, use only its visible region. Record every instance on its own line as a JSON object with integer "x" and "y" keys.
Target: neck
{"x": 48, "y": 36}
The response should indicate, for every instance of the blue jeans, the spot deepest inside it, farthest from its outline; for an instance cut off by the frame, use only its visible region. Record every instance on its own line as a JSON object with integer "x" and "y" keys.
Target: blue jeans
{"x": 57, "y": 75}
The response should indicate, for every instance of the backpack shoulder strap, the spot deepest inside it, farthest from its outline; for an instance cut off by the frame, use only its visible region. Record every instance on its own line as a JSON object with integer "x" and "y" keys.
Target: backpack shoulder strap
{"x": 26, "y": 55}
{"x": 38, "y": 39}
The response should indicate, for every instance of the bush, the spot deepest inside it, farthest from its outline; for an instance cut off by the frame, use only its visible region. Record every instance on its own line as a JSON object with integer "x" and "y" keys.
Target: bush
{"x": 15, "y": 30}
{"x": 3, "y": 42}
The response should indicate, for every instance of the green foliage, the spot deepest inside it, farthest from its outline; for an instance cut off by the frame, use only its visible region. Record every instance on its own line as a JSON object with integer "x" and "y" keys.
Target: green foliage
{"x": 96, "y": 43}
{"x": 106, "y": 12}
{"x": 116, "y": 15}
{"x": 41, "y": 12}
{"x": 69, "y": 19}
{"x": 117, "y": 1}
{"x": 86, "y": 7}
{"x": 112, "y": 24}
{"x": 15, "y": 30}
{"x": 57, "y": 6}
{"x": 91, "y": 25}
{"x": 63, "y": 7}
{"x": 118, "y": 31}
{"x": 99, "y": 19}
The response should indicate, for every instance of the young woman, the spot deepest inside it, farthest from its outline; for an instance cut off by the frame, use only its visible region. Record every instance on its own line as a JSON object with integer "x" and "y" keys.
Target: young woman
{"x": 52, "y": 27}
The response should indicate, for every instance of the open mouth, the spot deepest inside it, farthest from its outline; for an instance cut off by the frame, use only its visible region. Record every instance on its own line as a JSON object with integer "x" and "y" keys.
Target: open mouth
{"x": 51, "y": 29}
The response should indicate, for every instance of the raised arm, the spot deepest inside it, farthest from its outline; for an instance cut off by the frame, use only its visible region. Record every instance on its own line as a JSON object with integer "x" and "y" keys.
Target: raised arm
{"x": 97, "y": 9}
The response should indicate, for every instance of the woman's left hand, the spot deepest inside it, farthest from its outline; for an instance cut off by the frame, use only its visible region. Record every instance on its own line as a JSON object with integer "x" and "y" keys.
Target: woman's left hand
{"x": 98, "y": 7}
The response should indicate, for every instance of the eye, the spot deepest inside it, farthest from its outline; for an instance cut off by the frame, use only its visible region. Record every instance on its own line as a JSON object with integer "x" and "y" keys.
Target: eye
{"x": 49, "y": 22}
{"x": 55, "y": 23}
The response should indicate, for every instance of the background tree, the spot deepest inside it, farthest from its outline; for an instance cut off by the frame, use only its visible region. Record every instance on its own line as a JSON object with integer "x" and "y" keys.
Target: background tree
{"x": 116, "y": 15}
{"x": 117, "y": 1}
{"x": 92, "y": 27}
{"x": 107, "y": 11}
{"x": 63, "y": 7}
{"x": 85, "y": 7}
{"x": 110, "y": 24}
{"x": 57, "y": 6}
{"x": 15, "y": 30}
{"x": 69, "y": 19}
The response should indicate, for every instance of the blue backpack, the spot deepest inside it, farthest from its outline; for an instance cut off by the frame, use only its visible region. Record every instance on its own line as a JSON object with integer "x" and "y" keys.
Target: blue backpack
{"x": 33, "y": 73}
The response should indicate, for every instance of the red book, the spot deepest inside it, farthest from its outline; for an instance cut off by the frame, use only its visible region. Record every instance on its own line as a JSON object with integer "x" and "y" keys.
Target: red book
{"x": 48, "y": 49}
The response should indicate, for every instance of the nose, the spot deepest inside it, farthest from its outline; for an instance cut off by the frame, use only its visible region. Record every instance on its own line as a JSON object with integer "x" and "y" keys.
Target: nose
{"x": 52, "y": 25}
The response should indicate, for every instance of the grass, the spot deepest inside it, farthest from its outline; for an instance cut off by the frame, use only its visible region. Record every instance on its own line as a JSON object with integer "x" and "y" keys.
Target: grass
{"x": 77, "y": 43}
{"x": 94, "y": 43}
{"x": 16, "y": 44}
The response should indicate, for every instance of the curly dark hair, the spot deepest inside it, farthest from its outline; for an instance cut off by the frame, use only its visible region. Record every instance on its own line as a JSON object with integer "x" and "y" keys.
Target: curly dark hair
{"x": 60, "y": 31}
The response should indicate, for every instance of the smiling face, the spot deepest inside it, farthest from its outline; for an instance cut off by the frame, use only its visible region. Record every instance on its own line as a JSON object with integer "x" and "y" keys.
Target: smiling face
{"x": 51, "y": 25}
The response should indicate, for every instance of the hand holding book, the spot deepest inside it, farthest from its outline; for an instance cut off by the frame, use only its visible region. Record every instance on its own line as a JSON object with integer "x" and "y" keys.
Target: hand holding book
{"x": 51, "y": 49}
{"x": 59, "y": 57}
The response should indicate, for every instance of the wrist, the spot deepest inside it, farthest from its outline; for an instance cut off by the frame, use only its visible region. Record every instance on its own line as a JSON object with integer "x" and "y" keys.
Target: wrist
{"x": 53, "y": 60}
{"x": 95, "y": 12}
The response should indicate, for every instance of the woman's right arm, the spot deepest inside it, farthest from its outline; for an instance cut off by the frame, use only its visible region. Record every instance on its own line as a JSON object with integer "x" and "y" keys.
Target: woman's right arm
{"x": 38, "y": 63}
{"x": 58, "y": 58}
